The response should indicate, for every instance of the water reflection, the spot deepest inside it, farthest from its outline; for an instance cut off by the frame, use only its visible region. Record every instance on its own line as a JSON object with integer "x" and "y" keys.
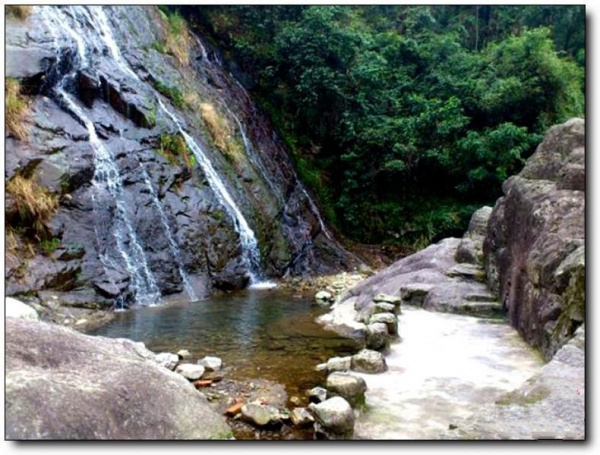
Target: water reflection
{"x": 255, "y": 329}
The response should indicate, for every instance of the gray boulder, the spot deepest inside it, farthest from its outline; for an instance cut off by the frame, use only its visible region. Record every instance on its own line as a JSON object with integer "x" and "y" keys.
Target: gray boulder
{"x": 369, "y": 361}
{"x": 377, "y": 337}
{"x": 300, "y": 417}
{"x": 211, "y": 363}
{"x": 388, "y": 319}
{"x": 190, "y": 371}
{"x": 532, "y": 232}
{"x": 317, "y": 394}
{"x": 334, "y": 419}
{"x": 167, "y": 360}
{"x": 350, "y": 387}
{"x": 63, "y": 385}
{"x": 383, "y": 307}
{"x": 261, "y": 415}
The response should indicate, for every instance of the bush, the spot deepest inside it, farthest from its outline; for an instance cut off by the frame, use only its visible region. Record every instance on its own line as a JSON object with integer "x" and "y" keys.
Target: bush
{"x": 21, "y": 12}
{"x": 16, "y": 110}
{"x": 175, "y": 150}
{"x": 34, "y": 204}
{"x": 172, "y": 93}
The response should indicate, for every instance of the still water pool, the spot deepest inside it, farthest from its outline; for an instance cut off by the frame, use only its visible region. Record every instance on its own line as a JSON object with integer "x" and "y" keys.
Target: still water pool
{"x": 267, "y": 334}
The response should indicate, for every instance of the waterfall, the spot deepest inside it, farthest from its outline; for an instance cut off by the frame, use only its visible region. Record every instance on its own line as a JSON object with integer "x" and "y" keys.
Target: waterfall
{"x": 175, "y": 251}
{"x": 249, "y": 244}
{"x": 98, "y": 21}
{"x": 106, "y": 179}
{"x": 250, "y": 251}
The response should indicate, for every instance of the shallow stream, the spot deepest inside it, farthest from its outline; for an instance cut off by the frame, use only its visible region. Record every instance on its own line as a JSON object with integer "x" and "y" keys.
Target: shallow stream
{"x": 269, "y": 334}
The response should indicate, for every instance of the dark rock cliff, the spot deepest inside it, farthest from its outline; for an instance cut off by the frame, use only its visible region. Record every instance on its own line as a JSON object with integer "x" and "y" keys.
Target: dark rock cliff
{"x": 535, "y": 245}
{"x": 168, "y": 213}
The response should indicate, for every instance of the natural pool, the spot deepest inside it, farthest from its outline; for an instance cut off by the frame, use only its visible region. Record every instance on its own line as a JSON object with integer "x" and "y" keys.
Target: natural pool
{"x": 269, "y": 334}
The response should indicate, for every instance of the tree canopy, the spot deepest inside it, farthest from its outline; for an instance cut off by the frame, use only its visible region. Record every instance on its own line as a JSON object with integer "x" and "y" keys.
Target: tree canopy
{"x": 404, "y": 119}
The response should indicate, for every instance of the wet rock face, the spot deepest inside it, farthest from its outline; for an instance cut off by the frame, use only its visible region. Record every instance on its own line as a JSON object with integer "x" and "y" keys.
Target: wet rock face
{"x": 535, "y": 243}
{"x": 101, "y": 389}
{"x": 124, "y": 111}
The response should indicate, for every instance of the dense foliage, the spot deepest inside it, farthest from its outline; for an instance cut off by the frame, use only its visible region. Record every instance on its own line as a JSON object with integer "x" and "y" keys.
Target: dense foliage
{"x": 404, "y": 119}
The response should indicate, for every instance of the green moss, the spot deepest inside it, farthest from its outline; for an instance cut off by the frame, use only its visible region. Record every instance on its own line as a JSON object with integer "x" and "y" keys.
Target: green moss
{"x": 175, "y": 150}
{"x": 50, "y": 246}
{"x": 173, "y": 93}
{"x": 535, "y": 395}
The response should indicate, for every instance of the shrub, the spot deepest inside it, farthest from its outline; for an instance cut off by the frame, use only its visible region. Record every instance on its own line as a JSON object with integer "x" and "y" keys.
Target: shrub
{"x": 221, "y": 133}
{"x": 49, "y": 246}
{"x": 16, "y": 110}
{"x": 175, "y": 150}
{"x": 177, "y": 40}
{"x": 19, "y": 11}
{"x": 34, "y": 204}
{"x": 172, "y": 93}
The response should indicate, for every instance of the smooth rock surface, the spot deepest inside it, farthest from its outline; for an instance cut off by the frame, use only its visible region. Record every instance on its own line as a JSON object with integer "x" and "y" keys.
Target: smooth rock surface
{"x": 14, "y": 308}
{"x": 190, "y": 371}
{"x": 369, "y": 361}
{"x": 63, "y": 385}
{"x": 167, "y": 360}
{"x": 348, "y": 386}
{"x": 334, "y": 419}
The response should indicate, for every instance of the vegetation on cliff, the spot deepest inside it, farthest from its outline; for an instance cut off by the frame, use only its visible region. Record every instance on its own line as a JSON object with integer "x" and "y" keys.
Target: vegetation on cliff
{"x": 404, "y": 119}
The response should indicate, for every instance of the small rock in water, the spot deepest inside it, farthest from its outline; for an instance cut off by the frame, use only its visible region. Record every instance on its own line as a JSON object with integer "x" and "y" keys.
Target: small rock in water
{"x": 384, "y": 307}
{"x": 334, "y": 419}
{"x": 211, "y": 363}
{"x": 167, "y": 360}
{"x": 388, "y": 319}
{"x": 234, "y": 409}
{"x": 368, "y": 361}
{"x": 324, "y": 297}
{"x": 184, "y": 354}
{"x": 301, "y": 417}
{"x": 261, "y": 415}
{"x": 202, "y": 383}
{"x": 339, "y": 363}
{"x": 295, "y": 401}
{"x": 350, "y": 387}
{"x": 190, "y": 371}
{"x": 377, "y": 337}
{"x": 317, "y": 395}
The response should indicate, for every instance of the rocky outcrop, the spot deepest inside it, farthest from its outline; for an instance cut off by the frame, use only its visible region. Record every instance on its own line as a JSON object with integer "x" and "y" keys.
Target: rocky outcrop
{"x": 549, "y": 405}
{"x": 99, "y": 388}
{"x": 535, "y": 244}
{"x": 442, "y": 277}
{"x": 164, "y": 187}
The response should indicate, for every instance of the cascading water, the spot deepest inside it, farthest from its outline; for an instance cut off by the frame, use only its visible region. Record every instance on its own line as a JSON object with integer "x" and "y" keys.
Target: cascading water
{"x": 249, "y": 244}
{"x": 175, "y": 251}
{"x": 250, "y": 251}
{"x": 106, "y": 180}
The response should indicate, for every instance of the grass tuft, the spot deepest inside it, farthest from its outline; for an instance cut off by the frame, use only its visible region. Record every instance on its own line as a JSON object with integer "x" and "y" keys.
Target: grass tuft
{"x": 16, "y": 110}
{"x": 21, "y": 12}
{"x": 34, "y": 204}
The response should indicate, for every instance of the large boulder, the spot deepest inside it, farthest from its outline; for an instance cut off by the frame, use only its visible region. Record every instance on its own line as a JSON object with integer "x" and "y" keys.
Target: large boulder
{"x": 334, "y": 419}
{"x": 63, "y": 385}
{"x": 535, "y": 244}
{"x": 348, "y": 386}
